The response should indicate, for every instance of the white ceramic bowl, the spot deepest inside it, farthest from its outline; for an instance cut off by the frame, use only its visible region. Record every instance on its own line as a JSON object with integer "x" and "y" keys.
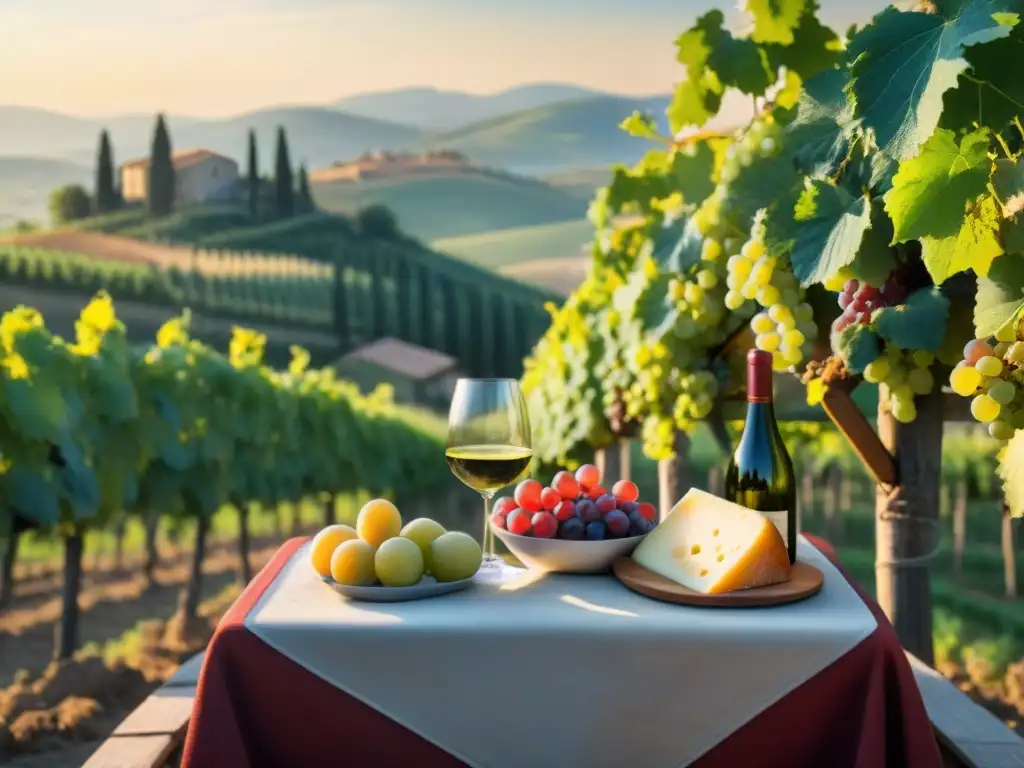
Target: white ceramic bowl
{"x": 565, "y": 556}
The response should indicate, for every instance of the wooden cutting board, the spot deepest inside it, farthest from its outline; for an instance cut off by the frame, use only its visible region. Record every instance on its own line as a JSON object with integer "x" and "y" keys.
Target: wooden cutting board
{"x": 806, "y": 581}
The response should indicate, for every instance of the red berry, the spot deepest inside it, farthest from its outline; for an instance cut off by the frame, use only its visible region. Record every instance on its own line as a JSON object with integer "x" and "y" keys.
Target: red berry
{"x": 527, "y": 495}
{"x": 519, "y": 522}
{"x": 596, "y": 492}
{"x": 545, "y": 526}
{"x": 565, "y": 510}
{"x": 550, "y": 498}
{"x": 504, "y": 505}
{"x": 499, "y": 520}
{"x": 624, "y": 490}
{"x": 606, "y": 504}
{"x": 588, "y": 476}
{"x": 647, "y": 509}
{"x": 566, "y": 485}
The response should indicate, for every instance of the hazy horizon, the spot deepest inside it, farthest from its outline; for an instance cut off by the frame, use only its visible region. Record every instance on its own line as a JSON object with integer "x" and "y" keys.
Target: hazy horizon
{"x": 214, "y": 58}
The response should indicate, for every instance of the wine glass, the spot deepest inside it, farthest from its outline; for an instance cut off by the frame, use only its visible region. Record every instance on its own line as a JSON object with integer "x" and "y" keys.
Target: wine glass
{"x": 488, "y": 443}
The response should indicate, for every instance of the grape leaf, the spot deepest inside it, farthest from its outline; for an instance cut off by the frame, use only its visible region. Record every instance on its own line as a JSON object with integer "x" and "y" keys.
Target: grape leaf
{"x": 33, "y": 495}
{"x": 681, "y": 248}
{"x": 931, "y": 192}
{"x": 819, "y": 133}
{"x": 758, "y": 185}
{"x": 1013, "y": 474}
{"x": 1008, "y": 181}
{"x": 641, "y": 125}
{"x": 714, "y": 61}
{"x": 973, "y": 247}
{"x": 858, "y": 346}
{"x": 876, "y": 258}
{"x": 992, "y": 93}
{"x": 828, "y": 227}
{"x": 774, "y": 20}
{"x": 904, "y": 61}
{"x": 920, "y": 323}
{"x": 1000, "y": 295}
{"x": 815, "y": 47}
{"x": 659, "y": 174}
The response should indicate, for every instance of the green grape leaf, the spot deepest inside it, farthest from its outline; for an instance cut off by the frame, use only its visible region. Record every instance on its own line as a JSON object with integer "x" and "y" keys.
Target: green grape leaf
{"x": 641, "y": 125}
{"x": 681, "y": 249}
{"x": 931, "y": 192}
{"x": 686, "y": 171}
{"x": 1013, "y": 474}
{"x": 774, "y": 20}
{"x": 858, "y": 346}
{"x": 920, "y": 323}
{"x": 973, "y": 247}
{"x": 828, "y": 227}
{"x": 876, "y": 258}
{"x": 815, "y": 47}
{"x": 819, "y": 132}
{"x": 37, "y": 407}
{"x": 33, "y": 495}
{"x": 1008, "y": 182}
{"x": 904, "y": 61}
{"x": 758, "y": 186}
{"x": 991, "y": 93}
{"x": 714, "y": 61}
{"x": 1000, "y": 295}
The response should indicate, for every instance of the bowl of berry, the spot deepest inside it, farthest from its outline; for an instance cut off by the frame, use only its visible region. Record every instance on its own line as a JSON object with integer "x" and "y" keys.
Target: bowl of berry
{"x": 574, "y": 525}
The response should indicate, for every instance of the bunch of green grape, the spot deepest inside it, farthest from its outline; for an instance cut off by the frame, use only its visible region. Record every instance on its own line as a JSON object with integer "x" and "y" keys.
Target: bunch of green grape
{"x": 785, "y": 326}
{"x": 993, "y": 376}
{"x": 907, "y": 374}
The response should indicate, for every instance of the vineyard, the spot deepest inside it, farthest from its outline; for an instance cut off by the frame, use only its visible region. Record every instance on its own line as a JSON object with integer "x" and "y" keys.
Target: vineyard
{"x": 312, "y": 273}
{"x": 863, "y": 228}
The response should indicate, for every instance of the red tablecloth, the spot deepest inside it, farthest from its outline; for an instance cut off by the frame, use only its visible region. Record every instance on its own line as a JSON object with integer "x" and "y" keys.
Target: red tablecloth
{"x": 254, "y": 707}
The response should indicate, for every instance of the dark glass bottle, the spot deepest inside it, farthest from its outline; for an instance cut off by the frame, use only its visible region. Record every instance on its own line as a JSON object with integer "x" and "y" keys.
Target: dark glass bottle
{"x": 760, "y": 473}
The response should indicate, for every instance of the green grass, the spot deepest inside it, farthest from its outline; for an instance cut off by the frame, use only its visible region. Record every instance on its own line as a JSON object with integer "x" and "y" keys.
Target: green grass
{"x": 512, "y": 246}
{"x": 441, "y": 206}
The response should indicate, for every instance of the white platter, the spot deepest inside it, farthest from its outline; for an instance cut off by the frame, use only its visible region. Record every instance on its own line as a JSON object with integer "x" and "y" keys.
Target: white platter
{"x": 428, "y": 586}
{"x": 564, "y": 556}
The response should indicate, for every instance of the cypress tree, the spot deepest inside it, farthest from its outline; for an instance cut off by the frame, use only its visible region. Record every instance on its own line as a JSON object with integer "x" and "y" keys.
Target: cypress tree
{"x": 254, "y": 176}
{"x": 160, "y": 180}
{"x": 106, "y": 192}
{"x": 284, "y": 187}
{"x": 305, "y": 198}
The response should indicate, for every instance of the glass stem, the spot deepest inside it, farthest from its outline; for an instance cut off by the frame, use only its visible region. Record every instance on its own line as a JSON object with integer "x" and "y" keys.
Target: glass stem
{"x": 488, "y": 539}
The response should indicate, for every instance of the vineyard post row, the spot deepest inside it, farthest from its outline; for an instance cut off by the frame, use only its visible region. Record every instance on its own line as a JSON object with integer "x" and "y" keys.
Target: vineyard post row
{"x": 868, "y": 178}
{"x": 100, "y": 428}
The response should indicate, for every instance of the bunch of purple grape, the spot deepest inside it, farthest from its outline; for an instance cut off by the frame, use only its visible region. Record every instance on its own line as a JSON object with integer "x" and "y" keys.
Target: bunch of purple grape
{"x": 859, "y": 301}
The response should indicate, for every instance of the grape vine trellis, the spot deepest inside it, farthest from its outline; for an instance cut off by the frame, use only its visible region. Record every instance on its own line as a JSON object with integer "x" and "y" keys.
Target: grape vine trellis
{"x": 882, "y": 172}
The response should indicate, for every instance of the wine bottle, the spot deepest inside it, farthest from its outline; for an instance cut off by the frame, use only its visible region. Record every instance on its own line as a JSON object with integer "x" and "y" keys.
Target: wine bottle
{"x": 760, "y": 473}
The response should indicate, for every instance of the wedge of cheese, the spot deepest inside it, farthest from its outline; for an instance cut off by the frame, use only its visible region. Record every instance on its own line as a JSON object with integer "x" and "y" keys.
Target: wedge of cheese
{"x": 712, "y": 546}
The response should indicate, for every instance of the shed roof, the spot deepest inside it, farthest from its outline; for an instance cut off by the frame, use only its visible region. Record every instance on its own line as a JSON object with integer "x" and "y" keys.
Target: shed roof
{"x": 409, "y": 360}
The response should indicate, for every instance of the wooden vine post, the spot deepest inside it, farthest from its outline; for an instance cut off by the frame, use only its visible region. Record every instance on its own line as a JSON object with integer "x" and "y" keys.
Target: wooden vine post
{"x": 608, "y": 463}
{"x": 674, "y": 475}
{"x": 1009, "y": 554}
{"x": 905, "y": 460}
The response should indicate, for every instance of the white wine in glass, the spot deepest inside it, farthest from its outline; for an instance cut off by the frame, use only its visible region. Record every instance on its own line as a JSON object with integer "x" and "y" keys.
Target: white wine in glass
{"x": 488, "y": 444}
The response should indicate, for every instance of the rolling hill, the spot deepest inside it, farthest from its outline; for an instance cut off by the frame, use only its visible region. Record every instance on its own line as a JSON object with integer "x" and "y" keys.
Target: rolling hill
{"x": 569, "y": 134}
{"x": 439, "y": 110}
{"x": 25, "y": 184}
{"x": 448, "y": 205}
{"x": 505, "y": 247}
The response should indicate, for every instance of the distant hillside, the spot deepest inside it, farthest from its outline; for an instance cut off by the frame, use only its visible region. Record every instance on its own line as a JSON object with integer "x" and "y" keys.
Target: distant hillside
{"x": 447, "y": 205}
{"x": 512, "y": 246}
{"x": 561, "y": 275}
{"x": 25, "y": 184}
{"x": 439, "y": 110}
{"x": 571, "y": 134}
{"x": 579, "y": 182}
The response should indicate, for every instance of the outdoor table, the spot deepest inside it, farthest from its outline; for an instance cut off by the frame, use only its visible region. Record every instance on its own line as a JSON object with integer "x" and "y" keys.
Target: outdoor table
{"x": 530, "y": 670}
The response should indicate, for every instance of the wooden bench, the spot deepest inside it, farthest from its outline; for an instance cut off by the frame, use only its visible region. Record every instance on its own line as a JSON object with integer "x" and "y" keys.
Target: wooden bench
{"x": 969, "y": 735}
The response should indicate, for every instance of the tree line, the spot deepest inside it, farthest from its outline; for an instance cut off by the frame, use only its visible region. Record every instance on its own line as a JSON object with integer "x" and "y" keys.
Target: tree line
{"x": 281, "y": 196}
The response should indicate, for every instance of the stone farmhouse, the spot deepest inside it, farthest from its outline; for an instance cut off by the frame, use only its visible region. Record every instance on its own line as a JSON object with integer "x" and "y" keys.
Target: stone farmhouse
{"x": 200, "y": 176}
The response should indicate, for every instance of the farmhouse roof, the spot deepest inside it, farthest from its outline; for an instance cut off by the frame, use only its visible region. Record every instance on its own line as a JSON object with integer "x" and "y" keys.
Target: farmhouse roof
{"x": 403, "y": 358}
{"x": 181, "y": 159}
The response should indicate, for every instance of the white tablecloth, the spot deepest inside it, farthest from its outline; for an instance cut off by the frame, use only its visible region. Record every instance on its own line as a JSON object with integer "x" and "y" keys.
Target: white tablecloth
{"x": 543, "y": 670}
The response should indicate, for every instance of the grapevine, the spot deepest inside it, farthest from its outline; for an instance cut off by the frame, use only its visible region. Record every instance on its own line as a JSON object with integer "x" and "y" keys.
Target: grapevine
{"x": 881, "y": 175}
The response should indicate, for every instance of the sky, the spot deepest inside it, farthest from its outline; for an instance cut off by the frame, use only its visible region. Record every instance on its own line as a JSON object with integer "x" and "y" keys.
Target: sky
{"x": 221, "y": 57}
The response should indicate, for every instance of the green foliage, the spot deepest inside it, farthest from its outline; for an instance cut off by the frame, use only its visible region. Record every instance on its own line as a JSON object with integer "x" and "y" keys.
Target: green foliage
{"x": 69, "y": 203}
{"x": 920, "y": 323}
{"x": 377, "y": 221}
{"x": 1000, "y": 295}
{"x": 905, "y": 61}
{"x": 829, "y": 227}
{"x": 774, "y": 20}
{"x": 858, "y": 345}
{"x": 161, "y": 184}
{"x": 252, "y": 176}
{"x": 304, "y": 198}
